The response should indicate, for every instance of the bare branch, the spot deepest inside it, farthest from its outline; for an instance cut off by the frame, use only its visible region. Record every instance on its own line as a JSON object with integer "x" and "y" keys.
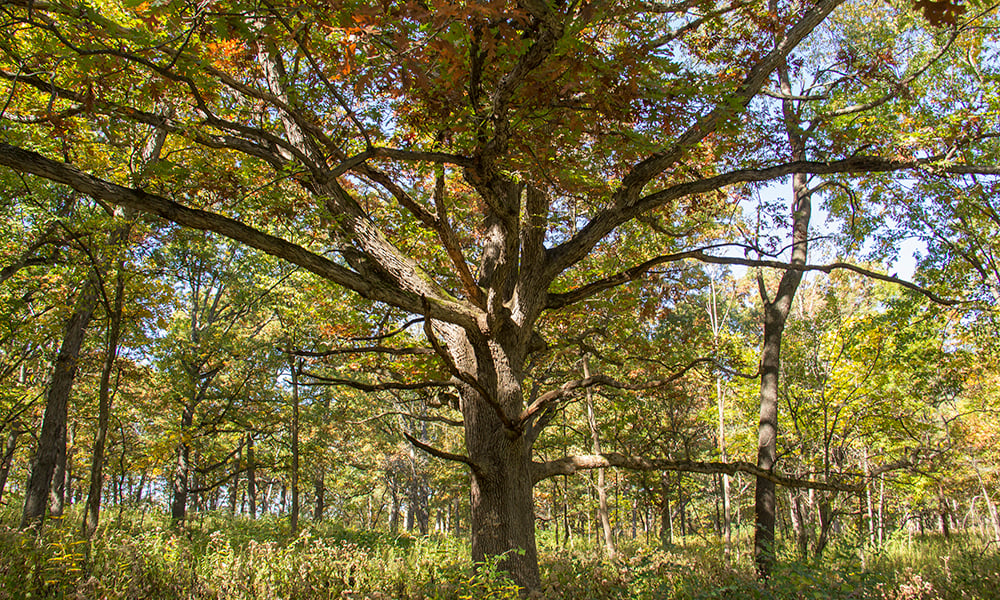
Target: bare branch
{"x": 572, "y": 387}
{"x": 572, "y": 464}
{"x": 829, "y": 268}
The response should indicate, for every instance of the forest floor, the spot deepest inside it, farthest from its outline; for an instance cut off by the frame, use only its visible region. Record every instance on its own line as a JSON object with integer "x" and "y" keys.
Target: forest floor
{"x": 137, "y": 556}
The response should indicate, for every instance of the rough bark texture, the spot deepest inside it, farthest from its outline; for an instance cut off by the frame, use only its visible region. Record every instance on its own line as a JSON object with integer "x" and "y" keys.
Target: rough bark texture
{"x": 52, "y": 438}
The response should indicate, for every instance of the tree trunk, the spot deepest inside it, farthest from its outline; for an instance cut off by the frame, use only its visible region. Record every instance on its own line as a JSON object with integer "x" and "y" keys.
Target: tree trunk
{"x": 52, "y": 438}
{"x": 8, "y": 459}
{"x": 825, "y": 523}
{"x": 296, "y": 369}
{"x": 182, "y": 466}
{"x": 775, "y": 314}
{"x": 797, "y": 512}
{"x": 602, "y": 491}
{"x": 943, "y": 516}
{"x": 319, "y": 488}
{"x": 251, "y": 477}
{"x": 92, "y": 510}
{"x": 666, "y": 520}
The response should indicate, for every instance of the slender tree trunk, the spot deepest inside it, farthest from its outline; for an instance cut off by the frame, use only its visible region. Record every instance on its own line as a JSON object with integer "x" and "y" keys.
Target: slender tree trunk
{"x": 251, "y": 477}
{"x": 8, "y": 459}
{"x": 775, "y": 314}
{"x": 182, "y": 466}
{"x": 943, "y": 514}
{"x": 234, "y": 483}
{"x": 825, "y": 523}
{"x": 666, "y": 521}
{"x": 52, "y": 438}
{"x": 602, "y": 490}
{"x": 394, "y": 508}
{"x": 990, "y": 506}
{"x": 296, "y": 369}
{"x": 319, "y": 489}
{"x": 716, "y": 323}
{"x": 92, "y": 510}
{"x": 797, "y": 511}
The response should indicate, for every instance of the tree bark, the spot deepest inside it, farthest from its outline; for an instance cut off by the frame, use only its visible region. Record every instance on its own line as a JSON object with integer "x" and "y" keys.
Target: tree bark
{"x": 92, "y": 509}
{"x": 602, "y": 491}
{"x": 182, "y": 466}
{"x": 251, "y": 477}
{"x": 8, "y": 459}
{"x": 296, "y": 370}
{"x": 52, "y": 438}
{"x": 775, "y": 314}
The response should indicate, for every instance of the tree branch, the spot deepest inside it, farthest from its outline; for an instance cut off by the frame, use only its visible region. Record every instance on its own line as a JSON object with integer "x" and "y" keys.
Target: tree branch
{"x": 361, "y": 350}
{"x": 31, "y": 162}
{"x": 572, "y": 464}
{"x": 572, "y": 387}
{"x": 444, "y": 455}
{"x": 321, "y": 380}
{"x": 428, "y": 419}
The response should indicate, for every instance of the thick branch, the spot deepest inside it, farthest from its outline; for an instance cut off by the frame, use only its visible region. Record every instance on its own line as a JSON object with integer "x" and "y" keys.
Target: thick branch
{"x": 393, "y": 413}
{"x": 372, "y": 288}
{"x": 442, "y": 454}
{"x": 321, "y": 380}
{"x": 362, "y": 350}
{"x": 570, "y": 252}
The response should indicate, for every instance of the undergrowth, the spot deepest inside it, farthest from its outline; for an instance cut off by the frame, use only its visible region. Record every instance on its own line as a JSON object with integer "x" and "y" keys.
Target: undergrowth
{"x": 218, "y": 557}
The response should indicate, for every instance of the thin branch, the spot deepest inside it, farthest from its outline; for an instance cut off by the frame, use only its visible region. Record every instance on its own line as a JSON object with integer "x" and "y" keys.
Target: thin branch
{"x": 573, "y": 387}
{"x": 829, "y": 268}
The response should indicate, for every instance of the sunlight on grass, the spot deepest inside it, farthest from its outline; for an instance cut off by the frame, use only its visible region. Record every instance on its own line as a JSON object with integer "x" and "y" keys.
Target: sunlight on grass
{"x": 219, "y": 557}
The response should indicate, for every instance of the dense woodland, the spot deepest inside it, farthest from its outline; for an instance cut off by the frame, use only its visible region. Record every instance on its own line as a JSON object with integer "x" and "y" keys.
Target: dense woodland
{"x": 534, "y": 279}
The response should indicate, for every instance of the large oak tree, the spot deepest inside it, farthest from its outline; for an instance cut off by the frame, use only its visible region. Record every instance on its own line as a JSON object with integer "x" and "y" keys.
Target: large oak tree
{"x": 462, "y": 162}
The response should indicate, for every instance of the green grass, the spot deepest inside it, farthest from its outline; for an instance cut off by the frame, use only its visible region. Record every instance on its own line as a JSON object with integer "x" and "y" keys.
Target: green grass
{"x": 223, "y": 558}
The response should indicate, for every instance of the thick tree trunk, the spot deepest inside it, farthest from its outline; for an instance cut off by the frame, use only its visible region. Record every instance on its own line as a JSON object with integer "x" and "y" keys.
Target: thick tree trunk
{"x": 503, "y": 518}
{"x": 52, "y": 438}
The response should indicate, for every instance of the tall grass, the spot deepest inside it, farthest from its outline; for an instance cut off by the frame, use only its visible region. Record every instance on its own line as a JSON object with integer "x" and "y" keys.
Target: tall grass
{"x": 219, "y": 557}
